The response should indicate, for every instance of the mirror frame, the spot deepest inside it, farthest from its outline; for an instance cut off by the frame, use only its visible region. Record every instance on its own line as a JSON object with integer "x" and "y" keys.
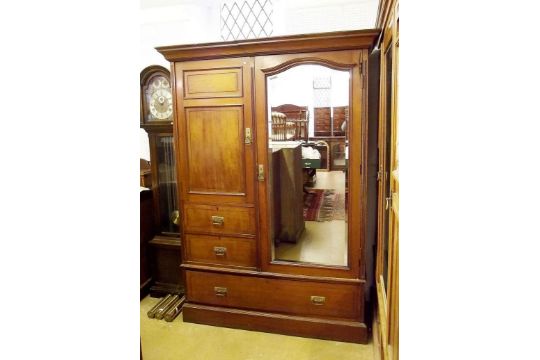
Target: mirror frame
{"x": 351, "y": 61}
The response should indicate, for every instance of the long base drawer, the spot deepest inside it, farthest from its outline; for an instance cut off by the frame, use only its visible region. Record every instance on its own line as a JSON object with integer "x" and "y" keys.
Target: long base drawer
{"x": 294, "y": 297}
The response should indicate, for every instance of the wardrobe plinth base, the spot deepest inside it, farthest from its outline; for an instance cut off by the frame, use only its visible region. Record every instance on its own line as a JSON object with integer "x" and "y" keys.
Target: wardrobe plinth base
{"x": 326, "y": 329}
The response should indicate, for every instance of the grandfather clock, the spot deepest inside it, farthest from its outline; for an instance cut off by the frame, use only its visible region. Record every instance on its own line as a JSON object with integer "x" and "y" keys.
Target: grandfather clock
{"x": 156, "y": 120}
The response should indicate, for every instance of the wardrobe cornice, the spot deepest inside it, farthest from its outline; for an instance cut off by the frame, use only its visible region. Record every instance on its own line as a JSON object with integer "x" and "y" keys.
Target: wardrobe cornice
{"x": 331, "y": 41}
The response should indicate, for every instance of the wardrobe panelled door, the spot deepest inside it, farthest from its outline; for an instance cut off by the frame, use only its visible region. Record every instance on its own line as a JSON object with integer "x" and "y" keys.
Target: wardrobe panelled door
{"x": 213, "y": 111}
{"x": 273, "y": 235}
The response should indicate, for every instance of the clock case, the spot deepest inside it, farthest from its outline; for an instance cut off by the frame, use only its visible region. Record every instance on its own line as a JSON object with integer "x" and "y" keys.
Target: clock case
{"x": 164, "y": 249}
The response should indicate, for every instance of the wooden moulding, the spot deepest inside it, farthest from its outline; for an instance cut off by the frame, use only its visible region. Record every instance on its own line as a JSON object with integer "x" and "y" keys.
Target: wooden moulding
{"x": 331, "y": 41}
{"x": 166, "y": 242}
{"x": 270, "y": 275}
{"x": 159, "y": 289}
{"x": 157, "y": 128}
{"x": 347, "y": 331}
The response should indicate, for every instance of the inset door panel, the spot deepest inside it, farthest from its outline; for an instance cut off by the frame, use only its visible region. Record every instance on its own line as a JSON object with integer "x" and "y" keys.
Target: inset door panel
{"x": 213, "y": 83}
{"x": 216, "y": 150}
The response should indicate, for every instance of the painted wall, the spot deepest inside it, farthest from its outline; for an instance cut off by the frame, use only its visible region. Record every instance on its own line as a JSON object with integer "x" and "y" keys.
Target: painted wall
{"x": 172, "y": 22}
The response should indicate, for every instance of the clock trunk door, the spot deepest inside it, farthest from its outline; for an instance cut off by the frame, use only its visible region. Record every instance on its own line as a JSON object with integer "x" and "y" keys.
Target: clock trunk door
{"x": 214, "y": 126}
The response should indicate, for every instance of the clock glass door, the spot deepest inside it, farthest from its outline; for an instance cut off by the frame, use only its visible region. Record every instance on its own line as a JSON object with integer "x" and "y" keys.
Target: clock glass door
{"x": 168, "y": 214}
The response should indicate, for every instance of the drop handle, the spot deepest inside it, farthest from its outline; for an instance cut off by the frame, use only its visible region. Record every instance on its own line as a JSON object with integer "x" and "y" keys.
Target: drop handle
{"x": 248, "y": 137}
{"x": 218, "y": 220}
{"x": 220, "y": 250}
{"x": 318, "y": 300}
{"x": 220, "y": 291}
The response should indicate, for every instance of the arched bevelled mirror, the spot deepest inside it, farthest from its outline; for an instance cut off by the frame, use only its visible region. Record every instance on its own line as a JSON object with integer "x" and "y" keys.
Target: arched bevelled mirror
{"x": 308, "y": 104}
{"x": 309, "y": 130}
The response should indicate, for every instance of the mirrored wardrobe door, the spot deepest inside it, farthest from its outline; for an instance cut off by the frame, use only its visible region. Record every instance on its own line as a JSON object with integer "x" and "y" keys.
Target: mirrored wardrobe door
{"x": 309, "y": 219}
{"x": 307, "y": 108}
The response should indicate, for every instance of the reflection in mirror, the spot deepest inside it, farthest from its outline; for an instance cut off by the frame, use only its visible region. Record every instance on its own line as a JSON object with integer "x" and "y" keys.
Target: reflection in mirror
{"x": 308, "y": 112}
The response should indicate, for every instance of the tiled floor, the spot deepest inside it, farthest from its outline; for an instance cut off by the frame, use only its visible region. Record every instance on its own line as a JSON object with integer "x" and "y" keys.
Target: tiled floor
{"x": 163, "y": 340}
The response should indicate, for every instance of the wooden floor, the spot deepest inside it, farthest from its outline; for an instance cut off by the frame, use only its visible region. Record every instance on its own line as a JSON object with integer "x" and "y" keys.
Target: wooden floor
{"x": 323, "y": 242}
{"x": 162, "y": 340}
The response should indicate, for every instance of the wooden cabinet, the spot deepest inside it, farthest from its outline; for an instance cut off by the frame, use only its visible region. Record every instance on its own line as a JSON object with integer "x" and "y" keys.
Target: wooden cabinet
{"x": 288, "y": 221}
{"x": 322, "y": 121}
{"x": 330, "y": 121}
{"x": 146, "y": 233}
{"x": 339, "y": 120}
{"x": 387, "y": 259}
{"x": 234, "y": 274}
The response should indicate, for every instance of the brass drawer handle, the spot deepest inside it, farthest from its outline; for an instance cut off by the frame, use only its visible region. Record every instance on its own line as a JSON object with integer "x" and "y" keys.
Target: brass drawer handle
{"x": 218, "y": 220}
{"x": 220, "y": 291}
{"x": 220, "y": 250}
{"x": 318, "y": 300}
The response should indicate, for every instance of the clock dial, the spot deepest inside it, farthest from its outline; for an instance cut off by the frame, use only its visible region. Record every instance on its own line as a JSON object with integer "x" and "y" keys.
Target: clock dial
{"x": 159, "y": 98}
{"x": 156, "y": 96}
{"x": 161, "y": 104}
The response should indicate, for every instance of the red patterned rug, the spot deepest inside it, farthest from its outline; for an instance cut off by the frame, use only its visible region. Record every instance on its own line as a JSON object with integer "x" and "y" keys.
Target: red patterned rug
{"x": 320, "y": 204}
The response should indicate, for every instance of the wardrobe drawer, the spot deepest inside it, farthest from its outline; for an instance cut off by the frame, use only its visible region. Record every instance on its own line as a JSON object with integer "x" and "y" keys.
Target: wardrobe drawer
{"x": 221, "y": 250}
{"x": 292, "y": 297}
{"x": 219, "y": 219}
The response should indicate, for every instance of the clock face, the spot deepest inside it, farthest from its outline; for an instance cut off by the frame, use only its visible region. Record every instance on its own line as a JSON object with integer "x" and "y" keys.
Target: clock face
{"x": 159, "y": 99}
{"x": 161, "y": 104}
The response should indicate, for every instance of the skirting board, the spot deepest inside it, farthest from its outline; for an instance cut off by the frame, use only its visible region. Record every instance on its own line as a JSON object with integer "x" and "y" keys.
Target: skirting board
{"x": 347, "y": 331}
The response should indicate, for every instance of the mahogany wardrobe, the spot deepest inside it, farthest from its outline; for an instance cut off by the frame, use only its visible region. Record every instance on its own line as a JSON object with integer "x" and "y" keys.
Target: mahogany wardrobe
{"x": 243, "y": 267}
